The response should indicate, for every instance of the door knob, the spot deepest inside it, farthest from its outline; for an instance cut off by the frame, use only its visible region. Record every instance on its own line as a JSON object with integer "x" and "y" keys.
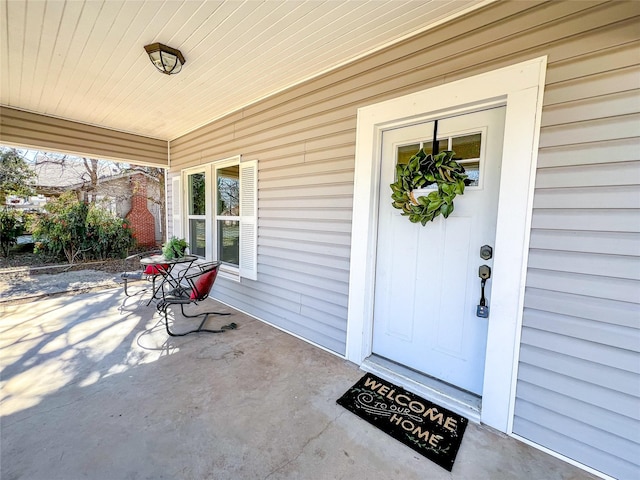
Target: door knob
{"x": 484, "y": 272}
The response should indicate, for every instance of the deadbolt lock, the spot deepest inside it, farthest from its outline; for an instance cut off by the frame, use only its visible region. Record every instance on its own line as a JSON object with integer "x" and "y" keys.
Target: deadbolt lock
{"x": 486, "y": 252}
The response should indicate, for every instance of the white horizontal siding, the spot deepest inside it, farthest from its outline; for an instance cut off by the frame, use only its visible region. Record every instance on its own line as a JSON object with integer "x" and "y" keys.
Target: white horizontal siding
{"x": 609, "y": 355}
{"x": 613, "y": 449}
{"x": 333, "y": 191}
{"x": 289, "y": 316}
{"x": 608, "y": 265}
{"x": 626, "y": 126}
{"x": 587, "y": 219}
{"x": 578, "y": 388}
{"x": 331, "y": 226}
{"x": 598, "y": 175}
{"x": 616, "y": 243}
{"x": 581, "y": 310}
{"x": 626, "y": 196}
{"x": 607, "y": 151}
{"x": 624, "y": 103}
{"x": 621, "y": 337}
{"x": 598, "y": 309}
{"x": 602, "y": 419}
{"x": 574, "y": 93}
{"x": 24, "y": 129}
{"x": 614, "y": 379}
{"x": 336, "y": 241}
{"x": 596, "y": 286}
{"x": 599, "y": 396}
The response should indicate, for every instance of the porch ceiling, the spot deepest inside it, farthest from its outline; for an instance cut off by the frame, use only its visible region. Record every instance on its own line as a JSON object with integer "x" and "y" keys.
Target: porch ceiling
{"x": 85, "y": 61}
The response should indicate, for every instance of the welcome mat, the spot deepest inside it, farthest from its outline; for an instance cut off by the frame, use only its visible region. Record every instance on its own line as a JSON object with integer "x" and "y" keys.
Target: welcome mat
{"x": 430, "y": 430}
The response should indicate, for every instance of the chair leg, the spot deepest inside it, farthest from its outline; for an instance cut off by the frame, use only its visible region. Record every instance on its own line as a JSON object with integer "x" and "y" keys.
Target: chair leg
{"x": 126, "y": 292}
{"x": 153, "y": 290}
{"x": 125, "y": 287}
{"x": 164, "y": 306}
{"x": 200, "y": 314}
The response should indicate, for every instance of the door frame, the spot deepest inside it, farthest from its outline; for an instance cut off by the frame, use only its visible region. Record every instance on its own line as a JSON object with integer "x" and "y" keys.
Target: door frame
{"x": 520, "y": 88}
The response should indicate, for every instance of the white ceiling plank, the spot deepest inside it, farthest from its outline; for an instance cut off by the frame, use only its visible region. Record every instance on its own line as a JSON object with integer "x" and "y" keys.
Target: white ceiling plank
{"x": 247, "y": 81}
{"x": 15, "y": 26}
{"x": 193, "y": 32}
{"x": 34, "y": 19}
{"x": 4, "y": 49}
{"x": 148, "y": 89}
{"x": 73, "y": 32}
{"x": 200, "y": 71}
{"x": 350, "y": 36}
{"x": 125, "y": 63}
{"x": 107, "y": 60}
{"x": 264, "y": 18}
{"x": 321, "y": 41}
{"x": 83, "y": 60}
{"x": 47, "y": 41}
{"x": 267, "y": 40}
{"x": 72, "y": 88}
{"x": 137, "y": 64}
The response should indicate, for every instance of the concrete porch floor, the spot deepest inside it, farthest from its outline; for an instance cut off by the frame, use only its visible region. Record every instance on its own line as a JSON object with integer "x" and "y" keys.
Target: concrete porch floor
{"x": 93, "y": 389}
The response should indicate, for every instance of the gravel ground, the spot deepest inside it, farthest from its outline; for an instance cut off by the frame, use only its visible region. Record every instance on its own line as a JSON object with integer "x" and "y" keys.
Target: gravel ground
{"x": 24, "y": 277}
{"x": 23, "y": 287}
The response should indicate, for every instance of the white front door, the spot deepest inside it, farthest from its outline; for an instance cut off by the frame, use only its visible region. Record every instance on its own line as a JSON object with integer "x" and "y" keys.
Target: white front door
{"x": 426, "y": 283}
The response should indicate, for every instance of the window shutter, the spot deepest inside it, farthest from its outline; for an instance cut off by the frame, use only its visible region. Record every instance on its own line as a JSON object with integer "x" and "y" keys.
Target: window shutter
{"x": 249, "y": 219}
{"x": 176, "y": 206}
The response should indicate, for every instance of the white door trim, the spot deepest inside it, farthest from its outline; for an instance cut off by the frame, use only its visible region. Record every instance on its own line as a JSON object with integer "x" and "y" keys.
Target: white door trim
{"x": 520, "y": 87}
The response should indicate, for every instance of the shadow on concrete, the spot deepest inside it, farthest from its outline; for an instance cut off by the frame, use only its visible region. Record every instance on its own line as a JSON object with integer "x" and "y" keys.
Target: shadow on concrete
{"x": 92, "y": 387}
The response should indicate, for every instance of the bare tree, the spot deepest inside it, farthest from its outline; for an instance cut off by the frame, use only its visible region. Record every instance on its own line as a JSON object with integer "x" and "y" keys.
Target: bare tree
{"x": 58, "y": 172}
{"x": 91, "y": 165}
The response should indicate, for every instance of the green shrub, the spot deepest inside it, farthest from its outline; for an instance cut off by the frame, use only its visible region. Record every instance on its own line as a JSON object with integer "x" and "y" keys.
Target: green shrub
{"x": 107, "y": 235}
{"x": 11, "y": 226}
{"x": 78, "y": 231}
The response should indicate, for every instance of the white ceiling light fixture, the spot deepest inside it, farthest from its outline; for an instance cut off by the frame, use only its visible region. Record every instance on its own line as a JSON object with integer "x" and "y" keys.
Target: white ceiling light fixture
{"x": 166, "y": 59}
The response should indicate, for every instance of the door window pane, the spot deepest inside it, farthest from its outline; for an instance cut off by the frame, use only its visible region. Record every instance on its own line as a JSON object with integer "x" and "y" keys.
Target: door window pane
{"x": 196, "y": 189}
{"x": 228, "y": 185}
{"x": 467, "y": 146}
{"x": 229, "y": 242}
{"x": 406, "y": 152}
{"x": 197, "y": 240}
{"x": 467, "y": 150}
{"x": 472, "y": 169}
{"x": 443, "y": 144}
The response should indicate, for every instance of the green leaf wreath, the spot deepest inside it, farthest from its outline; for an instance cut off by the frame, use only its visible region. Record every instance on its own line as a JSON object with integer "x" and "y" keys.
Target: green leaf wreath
{"x": 421, "y": 171}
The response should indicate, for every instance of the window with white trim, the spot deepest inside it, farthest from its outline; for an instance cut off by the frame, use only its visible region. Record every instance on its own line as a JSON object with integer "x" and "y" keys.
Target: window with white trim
{"x": 220, "y": 214}
{"x": 227, "y": 217}
{"x": 196, "y": 213}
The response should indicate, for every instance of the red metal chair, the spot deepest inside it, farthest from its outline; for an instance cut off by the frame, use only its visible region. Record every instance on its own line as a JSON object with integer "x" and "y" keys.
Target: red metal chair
{"x": 199, "y": 287}
{"x": 150, "y": 273}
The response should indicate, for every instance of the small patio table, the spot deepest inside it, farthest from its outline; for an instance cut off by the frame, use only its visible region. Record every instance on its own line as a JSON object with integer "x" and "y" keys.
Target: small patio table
{"x": 165, "y": 267}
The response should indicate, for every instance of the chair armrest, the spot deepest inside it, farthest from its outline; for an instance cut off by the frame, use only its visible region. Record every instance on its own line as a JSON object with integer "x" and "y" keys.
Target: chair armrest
{"x": 204, "y": 266}
{"x": 131, "y": 276}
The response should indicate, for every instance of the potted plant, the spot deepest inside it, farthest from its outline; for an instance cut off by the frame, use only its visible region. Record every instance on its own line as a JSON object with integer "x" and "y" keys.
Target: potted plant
{"x": 174, "y": 248}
